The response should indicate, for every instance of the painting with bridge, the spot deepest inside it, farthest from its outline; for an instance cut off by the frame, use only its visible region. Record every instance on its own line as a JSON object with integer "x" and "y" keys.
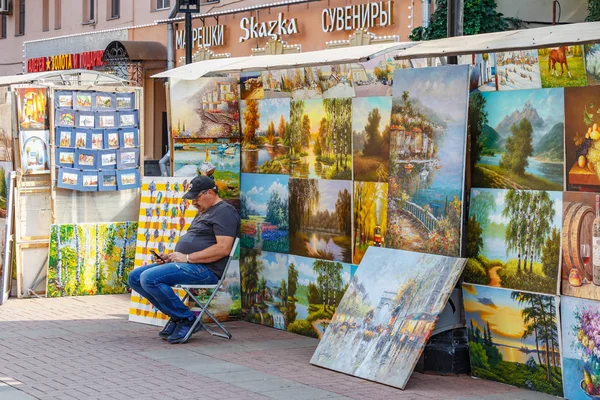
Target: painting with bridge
{"x": 427, "y": 153}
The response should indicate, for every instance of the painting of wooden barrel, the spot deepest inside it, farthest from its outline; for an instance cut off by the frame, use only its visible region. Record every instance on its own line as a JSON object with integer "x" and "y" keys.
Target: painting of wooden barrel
{"x": 578, "y": 220}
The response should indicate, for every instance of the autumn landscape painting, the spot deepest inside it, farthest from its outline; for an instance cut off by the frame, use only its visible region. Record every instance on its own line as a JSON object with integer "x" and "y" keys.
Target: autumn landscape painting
{"x": 370, "y": 217}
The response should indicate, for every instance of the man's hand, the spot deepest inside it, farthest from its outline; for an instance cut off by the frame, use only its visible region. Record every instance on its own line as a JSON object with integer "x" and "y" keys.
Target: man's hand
{"x": 176, "y": 257}
{"x": 157, "y": 260}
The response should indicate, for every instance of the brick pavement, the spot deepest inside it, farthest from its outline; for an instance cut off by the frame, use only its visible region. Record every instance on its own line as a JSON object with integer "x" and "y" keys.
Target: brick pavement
{"x": 84, "y": 348}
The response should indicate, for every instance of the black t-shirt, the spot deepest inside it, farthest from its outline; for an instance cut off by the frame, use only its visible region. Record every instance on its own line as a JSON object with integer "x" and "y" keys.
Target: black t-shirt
{"x": 222, "y": 219}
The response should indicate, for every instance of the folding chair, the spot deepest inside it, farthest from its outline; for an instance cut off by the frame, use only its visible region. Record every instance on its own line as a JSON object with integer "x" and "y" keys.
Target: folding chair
{"x": 203, "y": 307}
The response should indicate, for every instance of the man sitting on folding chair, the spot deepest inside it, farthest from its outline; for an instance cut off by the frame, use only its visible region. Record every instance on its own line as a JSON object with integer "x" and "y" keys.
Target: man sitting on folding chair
{"x": 200, "y": 258}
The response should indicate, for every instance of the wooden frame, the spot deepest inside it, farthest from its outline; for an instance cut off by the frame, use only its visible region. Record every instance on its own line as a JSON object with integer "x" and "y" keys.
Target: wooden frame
{"x": 43, "y": 269}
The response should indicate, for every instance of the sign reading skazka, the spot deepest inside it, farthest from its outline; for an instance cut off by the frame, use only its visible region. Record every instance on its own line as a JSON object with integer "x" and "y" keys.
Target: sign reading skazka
{"x": 205, "y": 36}
{"x": 358, "y": 16}
{"x": 85, "y": 60}
{"x": 254, "y": 29}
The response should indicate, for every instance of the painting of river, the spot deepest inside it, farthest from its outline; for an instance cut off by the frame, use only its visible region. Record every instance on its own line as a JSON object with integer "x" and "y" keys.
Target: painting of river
{"x": 427, "y": 153}
{"x": 514, "y": 338}
{"x": 263, "y": 277}
{"x": 264, "y": 212}
{"x": 315, "y": 288}
{"x": 387, "y": 315}
{"x": 321, "y": 138}
{"x": 518, "y": 139}
{"x": 266, "y": 136}
{"x": 513, "y": 239}
{"x": 321, "y": 219}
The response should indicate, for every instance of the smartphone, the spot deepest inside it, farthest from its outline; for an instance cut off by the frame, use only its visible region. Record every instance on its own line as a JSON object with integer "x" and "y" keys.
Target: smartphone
{"x": 155, "y": 254}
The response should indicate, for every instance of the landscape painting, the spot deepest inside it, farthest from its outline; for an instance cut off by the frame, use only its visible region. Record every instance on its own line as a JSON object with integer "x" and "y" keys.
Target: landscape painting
{"x": 513, "y": 239}
{"x": 374, "y": 77}
{"x": 6, "y": 140}
{"x": 263, "y": 278}
{"x": 518, "y": 139}
{"x": 577, "y": 272}
{"x": 592, "y": 63}
{"x": 335, "y": 81}
{"x": 370, "y": 217}
{"x": 371, "y": 117}
{"x": 301, "y": 83}
{"x": 519, "y": 69}
{"x": 265, "y": 136}
{"x": 562, "y": 66}
{"x": 514, "y": 338}
{"x": 387, "y": 314}
{"x": 273, "y": 86}
{"x": 205, "y": 108}
{"x": 321, "y": 139}
{"x": 580, "y": 348}
{"x": 320, "y": 219}
{"x": 315, "y": 288}
{"x": 483, "y": 71}
{"x": 251, "y": 86}
{"x": 582, "y": 139}
{"x": 264, "y": 212}
{"x": 427, "y": 159}
{"x": 89, "y": 259}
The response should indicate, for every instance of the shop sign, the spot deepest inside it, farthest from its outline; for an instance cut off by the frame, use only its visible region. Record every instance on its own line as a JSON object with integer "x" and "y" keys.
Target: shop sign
{"x": 358, "y": 16}
{"x": 281, "y": 26}
{"x": 85, "y": 60}
{"x": 205, "y": 36}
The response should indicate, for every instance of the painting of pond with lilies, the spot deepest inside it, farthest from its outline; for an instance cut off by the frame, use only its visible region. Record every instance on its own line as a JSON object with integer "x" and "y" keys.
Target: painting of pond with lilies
{"x": 264, "y": 212}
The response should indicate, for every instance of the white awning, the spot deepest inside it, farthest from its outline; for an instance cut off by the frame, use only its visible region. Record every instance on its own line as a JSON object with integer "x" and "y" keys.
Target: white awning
{"x": 66, "y": 77}
{"x": 342, "y": 55}
{"x": 548, "y": 36}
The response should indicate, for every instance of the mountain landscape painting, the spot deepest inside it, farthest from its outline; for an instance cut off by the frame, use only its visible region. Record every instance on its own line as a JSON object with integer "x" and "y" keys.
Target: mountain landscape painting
{"x": 518, "y": 139}
{"x": 514, "y": 338}
{"x": 513, "y": 239}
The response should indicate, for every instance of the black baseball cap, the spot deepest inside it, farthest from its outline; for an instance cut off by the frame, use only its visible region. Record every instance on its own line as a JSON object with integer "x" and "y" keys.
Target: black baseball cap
{"x": 199, "y": 184}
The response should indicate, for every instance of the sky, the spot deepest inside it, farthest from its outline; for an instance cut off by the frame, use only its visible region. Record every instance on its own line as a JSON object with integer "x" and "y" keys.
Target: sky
{"x": 362, "y": 106}
{"x": 445, "y": 89}
{"x": 269, "y": 110}
{"x": 549, "y": 104}
{"x": 258, "y": 189}
{"x": 306, "y": 274}
{"x": 328, "y": 190}
{"x": 484, "y": 303}
{"x": 275, "y": 266}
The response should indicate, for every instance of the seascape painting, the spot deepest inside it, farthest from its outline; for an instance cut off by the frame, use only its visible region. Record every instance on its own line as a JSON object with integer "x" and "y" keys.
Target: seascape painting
{"x": 265, "y": 136}
{"x": 427, "y": 159}
{"x": 205, "y": 108}
{"x": 562, "y": 66}
{"x": 514, "y": 338}
{"x": 321, "y": 138}
{"x": 518, "y": 139}
{"x": 315, "y": 288}
{"x": 90, "y": 259}
{"x": 519, "y": 69}
{"x": 370, "y": 217}
{"x": 264, "y": 212}
{"x": 321, "y": 219}
{"x": 387, "y": 314}
{"x": 514, "y": 239}
{"x": 371, "y": 117}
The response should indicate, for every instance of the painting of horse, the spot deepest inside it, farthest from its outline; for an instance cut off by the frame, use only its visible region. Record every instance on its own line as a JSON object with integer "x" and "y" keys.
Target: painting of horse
{"x": 558, "y": 56}
{"x": 565, "y": 66}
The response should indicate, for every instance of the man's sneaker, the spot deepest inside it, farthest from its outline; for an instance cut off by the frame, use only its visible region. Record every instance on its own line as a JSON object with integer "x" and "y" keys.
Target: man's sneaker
{"x": 168, "y": 329}
{"x": 182, "y": 330}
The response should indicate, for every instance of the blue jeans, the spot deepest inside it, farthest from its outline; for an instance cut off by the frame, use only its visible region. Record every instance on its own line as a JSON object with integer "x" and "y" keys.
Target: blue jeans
{"x": 155, "y": 282}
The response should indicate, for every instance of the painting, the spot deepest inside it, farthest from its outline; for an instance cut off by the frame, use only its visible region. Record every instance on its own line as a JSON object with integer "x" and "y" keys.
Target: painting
{"x": 335, "y": 81}
{"x": 315, "y": 288}
{"x": 32, "y": 109}
{"x": 371, "y": 138}
{"x": 370, "y": 217}
{"x": 301, "y": 83}
{"x": 513, "y": 239}
{"x": 427, "y": 157}
{"x": 265, "y": 136}
{"x": 6, "y": 141}
{"x": 374, "y": 78}
{"x": 592, "y": 63}
{"x": 263, "y": 277}
{"x": 321, "y": 219}
{"x": 5, "y": 170}
{"x": 562, "y": 66}
{"x": 514, "y": 338}
{"x": 205, "y": 108}
{"x": 89, "y": 259}
{"x": 518, "y": 139}
{"x": 321, "y": 138}
{"x": 264, "y": 212}
{"x": 577, "y": 273}
{"x": 387, "y": 314}
{"x": 251, "y": 85}
{"x": 483, "y": 71}
{"x": 580, "y": 348}
{"x": 519, "y": 69}
{"x": 272, "y": 83}
{"x": 35, "y": 152}
{"x": 582, "y": 138}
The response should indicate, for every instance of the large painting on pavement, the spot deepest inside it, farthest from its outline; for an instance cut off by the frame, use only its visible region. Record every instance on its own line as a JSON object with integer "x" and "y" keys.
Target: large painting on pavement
{"x": 387, "y": 315}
